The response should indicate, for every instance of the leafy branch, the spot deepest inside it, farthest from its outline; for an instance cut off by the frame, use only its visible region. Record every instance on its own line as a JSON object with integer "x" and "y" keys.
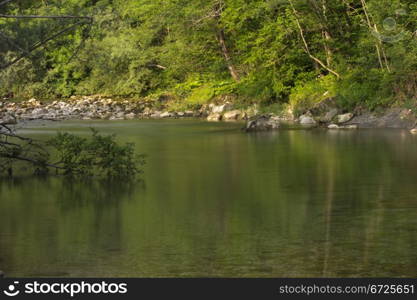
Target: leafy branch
{"x": 97, "y": 156}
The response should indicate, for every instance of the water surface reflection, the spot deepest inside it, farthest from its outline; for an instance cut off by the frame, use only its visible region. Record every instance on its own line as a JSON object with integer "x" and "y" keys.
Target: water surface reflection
{"x": 218, "y": 202}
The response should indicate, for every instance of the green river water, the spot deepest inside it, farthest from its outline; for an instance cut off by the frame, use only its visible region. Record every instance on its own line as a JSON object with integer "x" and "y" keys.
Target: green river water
{"x": 218, "y": 202}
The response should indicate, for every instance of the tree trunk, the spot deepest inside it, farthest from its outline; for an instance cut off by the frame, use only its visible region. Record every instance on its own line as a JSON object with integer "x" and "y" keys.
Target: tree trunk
{"x": 379, "y": 46}
{"x": 226, "y": 55}
{"x": 326, "y": 34}
{"x": 329, "y": 54}
{"x": 306, "y": 47}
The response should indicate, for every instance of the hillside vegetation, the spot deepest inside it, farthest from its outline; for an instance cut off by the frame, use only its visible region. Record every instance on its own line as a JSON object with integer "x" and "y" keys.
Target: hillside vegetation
{"x": 275, "y": 53}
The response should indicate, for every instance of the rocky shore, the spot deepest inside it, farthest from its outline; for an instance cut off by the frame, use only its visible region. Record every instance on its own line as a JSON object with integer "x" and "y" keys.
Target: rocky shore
{"x": 84, "y": 108}
{"x": 96, "y": 107}
{"x": 325, "y": 114}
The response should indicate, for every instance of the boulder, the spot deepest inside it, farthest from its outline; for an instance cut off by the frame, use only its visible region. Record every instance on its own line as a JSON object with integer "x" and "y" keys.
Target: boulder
{"x": 333, "y": 126}
{"x": 214, "y": 117}
{"x": 325, "y": 110}
{"x": 105, "y": 115}
{"x": 156, "y": 115}
{"x": 232, "y": 115}
{"x": 167, "y": 115}
{"x": 307, "y": 119}
{"x": 262, "y": 123}
{"x": 189, "y": 113}
{"x": 38, "y": 113}
{"x": 329, "y": 116}
{"x": 8, "y": 120}
{"x": 391, "y": 118}
{"x": 414, "y": 130}
{"x": 130, "y": 116}
{"x": 344, "y": 118}
{"x": 119, "y": 115}
{"x": 114, "y": 118}
{"x": 323, "y": 107}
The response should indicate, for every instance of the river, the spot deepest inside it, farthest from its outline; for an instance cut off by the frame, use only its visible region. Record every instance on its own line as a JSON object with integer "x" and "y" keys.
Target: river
{"x": 218, "y": 202}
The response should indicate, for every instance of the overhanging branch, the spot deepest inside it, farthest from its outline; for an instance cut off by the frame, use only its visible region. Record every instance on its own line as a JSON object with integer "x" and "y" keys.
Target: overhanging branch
{"x": 44, "y": 17}
{"x": 82, "y": 21}
{"x": 40, "y": 44}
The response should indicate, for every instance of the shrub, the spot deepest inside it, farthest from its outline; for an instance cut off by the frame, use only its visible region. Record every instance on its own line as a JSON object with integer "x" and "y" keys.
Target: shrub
{"x": 305, "y": 95}
{"x": 98, "y": 156}
{"x": 370, "y": 88}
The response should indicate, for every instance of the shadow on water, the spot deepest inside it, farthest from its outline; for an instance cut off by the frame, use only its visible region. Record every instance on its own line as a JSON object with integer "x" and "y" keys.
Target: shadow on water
{"x": 68, "y": 217}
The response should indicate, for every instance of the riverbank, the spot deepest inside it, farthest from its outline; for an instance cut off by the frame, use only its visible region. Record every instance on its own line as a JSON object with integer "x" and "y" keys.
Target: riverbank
{"x": 324, "y": 114}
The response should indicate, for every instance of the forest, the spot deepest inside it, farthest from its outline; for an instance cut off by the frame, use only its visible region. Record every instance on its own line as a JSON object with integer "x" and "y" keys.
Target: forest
{"x": 274, "y": 53}
{"x": 209, "y": 139}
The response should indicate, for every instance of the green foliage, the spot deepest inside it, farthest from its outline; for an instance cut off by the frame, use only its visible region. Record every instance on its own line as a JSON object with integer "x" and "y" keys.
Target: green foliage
{"x": 143, "y": 48}
{"x": 370, "y": 89}
{"x": 98, "y": 156}
{"x": 305, "y": 96}
{"x": 198, "y": 90}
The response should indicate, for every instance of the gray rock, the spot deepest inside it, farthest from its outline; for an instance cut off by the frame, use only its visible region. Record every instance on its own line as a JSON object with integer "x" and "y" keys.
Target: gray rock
{"x": 262, "y": 123}
{"x": 8, "y": 120}
{"x": 307, "y": 119}
{"x": 39, "y": 112}
{"x": 105, "y": 115}
{"x": 120, "y": 115}
{"x": 114, "y": 118}
{"x": 189, "y": 113}
{"x": 344, "y": 118}
{"x": 166, "y": 115}
{"x": 321, "y": 108}
{"x": 156, "y": 115}
{"x": 329, "y": 116}
{"x": 130, "y": 116}
{"x": 392, "y": 118}
{"x": 333, "y": 126}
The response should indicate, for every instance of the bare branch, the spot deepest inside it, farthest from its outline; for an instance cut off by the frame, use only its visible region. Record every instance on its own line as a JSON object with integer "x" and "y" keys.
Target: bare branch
{"x": 306, "y": 47}
{"x": 13, "y": 43}
{"x": 5, "y": 2}
{"x": 44, "y": 17}
{"x": 41, "y": 43}
{"x": 158, "y": 66}
{"x": 214, "y": 13}
{"x": 33, "y": 161}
